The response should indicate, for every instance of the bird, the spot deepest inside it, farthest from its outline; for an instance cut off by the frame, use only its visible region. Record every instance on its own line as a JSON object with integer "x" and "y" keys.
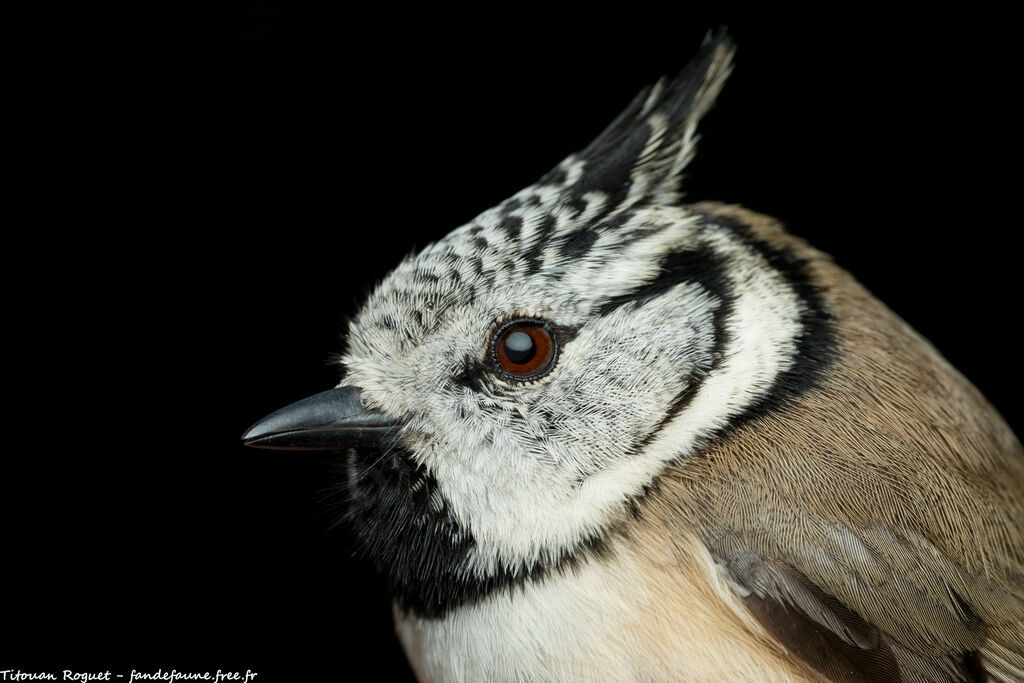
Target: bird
{"x": 600, "y": 433}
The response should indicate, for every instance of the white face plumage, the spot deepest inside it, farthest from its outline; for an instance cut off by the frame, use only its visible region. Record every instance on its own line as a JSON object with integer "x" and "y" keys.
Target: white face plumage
{"x": 666, "y": 325}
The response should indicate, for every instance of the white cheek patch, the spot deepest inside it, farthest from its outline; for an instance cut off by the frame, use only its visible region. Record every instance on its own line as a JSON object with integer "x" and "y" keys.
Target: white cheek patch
{"x": 763, "y": 329}
{"x": 535, "y": 470}
{"x": 532, "y": 484}
{"x": 531, "y": 487}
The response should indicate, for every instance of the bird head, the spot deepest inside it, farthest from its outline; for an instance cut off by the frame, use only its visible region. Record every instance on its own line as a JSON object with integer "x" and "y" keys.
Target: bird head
{"x": 510, "y": 390}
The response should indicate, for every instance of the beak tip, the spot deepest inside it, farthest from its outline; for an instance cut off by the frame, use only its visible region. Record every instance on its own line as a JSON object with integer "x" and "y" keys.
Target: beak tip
{"x": 330, "y": 420}
{"x": 252, "y": 435}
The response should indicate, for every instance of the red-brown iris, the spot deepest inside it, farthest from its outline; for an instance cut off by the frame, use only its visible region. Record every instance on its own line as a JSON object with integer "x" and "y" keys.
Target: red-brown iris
{"x": 524, "y": 349}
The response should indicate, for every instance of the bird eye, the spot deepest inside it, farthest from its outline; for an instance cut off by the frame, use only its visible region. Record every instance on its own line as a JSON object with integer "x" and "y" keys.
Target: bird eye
{"x": 525, "y": 349}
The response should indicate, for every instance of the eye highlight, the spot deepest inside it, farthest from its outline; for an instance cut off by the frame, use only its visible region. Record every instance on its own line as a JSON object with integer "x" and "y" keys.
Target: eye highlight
{"x": 524, "y": 349}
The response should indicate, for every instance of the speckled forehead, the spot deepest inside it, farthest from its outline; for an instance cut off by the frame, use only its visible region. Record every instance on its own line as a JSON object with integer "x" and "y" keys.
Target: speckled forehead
{"x": 540, "y": 242}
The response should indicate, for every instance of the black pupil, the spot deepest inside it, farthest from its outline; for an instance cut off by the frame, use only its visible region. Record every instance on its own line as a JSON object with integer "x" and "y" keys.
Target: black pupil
{"x": 519, "y": 347}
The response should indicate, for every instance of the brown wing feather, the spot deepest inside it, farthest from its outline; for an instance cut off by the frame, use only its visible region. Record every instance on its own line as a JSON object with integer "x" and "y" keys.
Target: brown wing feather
{"x": 892, "y": 494}
{"x": 835, "y": 641}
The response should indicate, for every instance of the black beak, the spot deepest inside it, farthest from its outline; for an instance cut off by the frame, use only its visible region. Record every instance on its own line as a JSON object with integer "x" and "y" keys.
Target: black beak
{"x": 331, "y": 420}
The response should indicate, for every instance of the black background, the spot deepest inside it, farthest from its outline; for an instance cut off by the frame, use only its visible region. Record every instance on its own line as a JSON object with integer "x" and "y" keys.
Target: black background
{"x": 218, "y": 191}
